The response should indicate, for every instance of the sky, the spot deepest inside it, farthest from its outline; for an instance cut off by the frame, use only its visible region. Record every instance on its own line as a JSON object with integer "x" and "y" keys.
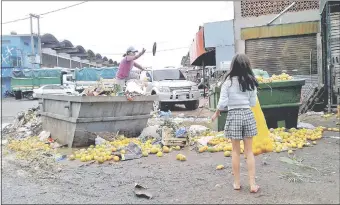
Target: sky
{"x": 110, "y": 27}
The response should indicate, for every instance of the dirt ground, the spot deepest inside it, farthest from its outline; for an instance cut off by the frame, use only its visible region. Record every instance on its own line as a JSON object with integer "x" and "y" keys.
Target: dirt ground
{"x": 193, "y": 181}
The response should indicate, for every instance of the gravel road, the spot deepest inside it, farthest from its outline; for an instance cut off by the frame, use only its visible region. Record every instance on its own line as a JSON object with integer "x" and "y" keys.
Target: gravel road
{"x": 193, "y": 181}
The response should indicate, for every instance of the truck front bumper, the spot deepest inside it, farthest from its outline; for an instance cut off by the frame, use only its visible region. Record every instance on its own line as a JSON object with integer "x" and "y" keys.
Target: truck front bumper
{"x": 179, "y": 97}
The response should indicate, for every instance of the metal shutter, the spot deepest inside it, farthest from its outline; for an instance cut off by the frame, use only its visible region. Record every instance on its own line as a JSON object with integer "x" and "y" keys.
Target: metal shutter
{"x": 275, "y": 55}
{"x": 335, "y": 49}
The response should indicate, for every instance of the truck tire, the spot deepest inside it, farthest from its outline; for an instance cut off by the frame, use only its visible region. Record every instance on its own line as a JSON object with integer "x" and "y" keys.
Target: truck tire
{"x": 192, "y": 105}
{"x": 18, "y": 95}
{"x": 29, "y": 96}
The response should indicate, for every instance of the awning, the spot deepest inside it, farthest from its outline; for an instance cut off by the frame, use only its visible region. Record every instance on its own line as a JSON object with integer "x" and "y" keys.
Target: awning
{"x": 198, "y": 53}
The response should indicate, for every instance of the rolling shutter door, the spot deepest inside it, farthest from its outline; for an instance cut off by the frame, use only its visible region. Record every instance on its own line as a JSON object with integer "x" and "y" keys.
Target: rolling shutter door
{"x": 283, "y": 54}
{"x": 335, "y": 49}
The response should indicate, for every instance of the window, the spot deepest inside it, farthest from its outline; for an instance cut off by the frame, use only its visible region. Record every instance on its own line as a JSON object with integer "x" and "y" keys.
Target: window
{"x": 16, "y": 61}
{"x": 5, "y": 42}
{"x": 168, "y": 74}
{"x": 57, "y": 87}
{"x": 48, "y": 87}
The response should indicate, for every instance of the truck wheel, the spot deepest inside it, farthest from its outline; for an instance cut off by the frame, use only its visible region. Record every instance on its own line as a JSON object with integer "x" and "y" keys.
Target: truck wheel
{"x": 18, "y": 95}
{"x": 192, "y": 105}
{"x": 30, "y": 96}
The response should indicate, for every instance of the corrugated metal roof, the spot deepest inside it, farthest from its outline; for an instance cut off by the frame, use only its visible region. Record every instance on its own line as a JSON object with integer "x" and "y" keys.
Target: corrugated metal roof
{"x": 280, "y": 30}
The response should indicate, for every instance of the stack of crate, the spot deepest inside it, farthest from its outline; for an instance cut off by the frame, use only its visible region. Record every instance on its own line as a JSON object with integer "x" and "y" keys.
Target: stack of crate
{"x": 169, "y": 140}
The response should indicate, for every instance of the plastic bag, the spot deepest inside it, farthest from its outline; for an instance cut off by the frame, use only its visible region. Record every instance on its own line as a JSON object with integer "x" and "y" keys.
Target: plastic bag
{"x": 261, "y": 142}
{"x": 99, "y": 141}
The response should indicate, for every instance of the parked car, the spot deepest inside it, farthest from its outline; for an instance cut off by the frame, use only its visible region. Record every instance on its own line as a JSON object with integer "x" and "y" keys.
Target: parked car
{"x": 172, "y": 88}
{"x": 54, "y": 90}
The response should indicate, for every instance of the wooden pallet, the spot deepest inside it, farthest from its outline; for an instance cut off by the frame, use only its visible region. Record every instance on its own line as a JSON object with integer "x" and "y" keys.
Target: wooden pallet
{"x": 168, "y": 140}
{"x": 182, "y": 142}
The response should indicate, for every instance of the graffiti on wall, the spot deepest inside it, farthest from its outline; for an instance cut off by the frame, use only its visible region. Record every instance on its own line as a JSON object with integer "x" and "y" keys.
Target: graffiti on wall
{"x": 11, "y": 57}
{"x": 7, "y": 53}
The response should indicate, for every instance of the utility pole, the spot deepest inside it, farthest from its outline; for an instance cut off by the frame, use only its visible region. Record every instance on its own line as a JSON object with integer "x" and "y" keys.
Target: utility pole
{"x": 32, "y": 38}
{"x": 38, "y": 35}
{"x": 39, "y": 40}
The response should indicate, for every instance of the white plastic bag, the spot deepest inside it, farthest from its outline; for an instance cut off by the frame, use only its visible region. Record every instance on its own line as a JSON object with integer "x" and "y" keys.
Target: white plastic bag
{"x": 99, "y": 141}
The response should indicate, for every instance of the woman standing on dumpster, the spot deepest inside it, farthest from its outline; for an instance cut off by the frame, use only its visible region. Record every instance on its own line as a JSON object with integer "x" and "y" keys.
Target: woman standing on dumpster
{"x": 126, "y": 65}
{"x": 238, "y": 94}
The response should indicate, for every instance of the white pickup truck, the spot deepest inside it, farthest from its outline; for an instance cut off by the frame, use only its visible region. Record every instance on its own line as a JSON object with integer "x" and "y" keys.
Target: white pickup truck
{"x": 172, "y": 88}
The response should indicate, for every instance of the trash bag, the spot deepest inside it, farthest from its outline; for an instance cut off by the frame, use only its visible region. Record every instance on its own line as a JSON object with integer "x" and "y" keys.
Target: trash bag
{"x": 150, "y": 133}
{"x": 181, "y": 132}
{"x": 133, "y": 151}
{"x": 99, "y": 141}
{"x": 261, "y": 124}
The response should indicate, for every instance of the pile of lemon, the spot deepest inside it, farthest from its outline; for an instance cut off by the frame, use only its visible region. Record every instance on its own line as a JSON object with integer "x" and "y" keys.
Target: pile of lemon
{"x": 279, "y": 140}
{"x": 274, "y": 78}
{"x": 116, "y": 149}
{"x": 28, "y": 144}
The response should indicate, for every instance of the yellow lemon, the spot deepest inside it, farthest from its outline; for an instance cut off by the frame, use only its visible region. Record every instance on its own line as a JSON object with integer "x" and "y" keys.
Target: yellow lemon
{"x": 159, "y": 154}
{"x": 116, "y": 159}
{"x": 227, "y": 154}
{"x": 220, "y": 167}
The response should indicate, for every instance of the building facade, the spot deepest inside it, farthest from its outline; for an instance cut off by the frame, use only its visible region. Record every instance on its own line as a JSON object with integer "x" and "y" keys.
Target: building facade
{"x": 19, "y": 53}
{"x": 330, "y": 33}
{"x": 15, "y": 54}
{"x": 281, "y": 36}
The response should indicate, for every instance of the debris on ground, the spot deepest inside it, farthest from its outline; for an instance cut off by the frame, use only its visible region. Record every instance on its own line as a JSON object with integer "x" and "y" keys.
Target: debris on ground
{"x": 44, "y": 135}
{"x": 305, "y": 125}
{"x": 99, "y": 141}
{"x": 133, "y": 152}
{"x": 25, "y": 125}
{"x": 181, "y": 132}
{"x": 141, "y": 191}
{"x": 197, "y": 129}
{"x": 151, "y": 132}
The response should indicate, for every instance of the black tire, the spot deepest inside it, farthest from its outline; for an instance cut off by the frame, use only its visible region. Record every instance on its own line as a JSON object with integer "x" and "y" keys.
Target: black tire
{"x": 30, "y": 96}
{"x": 192, "y": 105}
{"x": 18, "y": 95}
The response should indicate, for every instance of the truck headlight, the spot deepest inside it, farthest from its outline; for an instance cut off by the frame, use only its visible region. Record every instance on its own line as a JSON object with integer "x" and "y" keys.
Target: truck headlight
{"x": 194, "y": 87}
{"x": 164, "y": 89}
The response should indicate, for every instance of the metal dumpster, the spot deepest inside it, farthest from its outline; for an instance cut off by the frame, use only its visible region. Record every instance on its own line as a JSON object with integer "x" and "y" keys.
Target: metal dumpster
{"x": 71, "y": 119}
{"x": 280, "y": 103}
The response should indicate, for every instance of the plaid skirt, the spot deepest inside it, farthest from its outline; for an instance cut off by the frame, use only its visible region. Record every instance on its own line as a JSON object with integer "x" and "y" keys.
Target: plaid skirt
{"x": 240, "y": 123}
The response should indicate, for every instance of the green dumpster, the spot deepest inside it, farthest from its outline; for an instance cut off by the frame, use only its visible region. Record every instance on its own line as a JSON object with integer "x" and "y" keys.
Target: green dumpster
{"x": 280, "y": 103}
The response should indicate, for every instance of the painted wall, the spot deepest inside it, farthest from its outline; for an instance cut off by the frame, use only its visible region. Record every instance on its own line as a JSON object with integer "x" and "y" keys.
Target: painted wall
{"x": 246, "y": 22}
{"x": 14, "y": 47}
{"x": 220, "y": 35}
{"x": 15, "y": 50}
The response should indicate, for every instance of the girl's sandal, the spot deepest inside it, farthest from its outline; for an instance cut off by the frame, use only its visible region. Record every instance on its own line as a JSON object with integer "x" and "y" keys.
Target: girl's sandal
{"x": 237, "y": 187}
{"x": 254, "y": 189}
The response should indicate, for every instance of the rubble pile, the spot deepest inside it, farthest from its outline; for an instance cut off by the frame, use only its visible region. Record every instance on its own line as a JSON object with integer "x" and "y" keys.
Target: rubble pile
{"x": 103, "y": 88}
{"x": 25, "y": 125}
{"x": 109, "y": 87}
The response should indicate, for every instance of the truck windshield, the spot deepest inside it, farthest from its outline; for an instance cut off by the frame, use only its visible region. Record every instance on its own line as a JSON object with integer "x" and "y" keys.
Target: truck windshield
{"x": 168, "y": 74}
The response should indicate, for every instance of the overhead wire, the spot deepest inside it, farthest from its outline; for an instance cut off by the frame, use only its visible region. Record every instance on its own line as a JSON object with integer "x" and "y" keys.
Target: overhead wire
{"x": 170, "y": 49}
{"x": 49, "y": 12}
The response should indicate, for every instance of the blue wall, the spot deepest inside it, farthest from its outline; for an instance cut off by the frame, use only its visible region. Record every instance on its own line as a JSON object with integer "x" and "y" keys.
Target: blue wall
{"x": 220, "y": 35}
{"x": 15, "y": 50}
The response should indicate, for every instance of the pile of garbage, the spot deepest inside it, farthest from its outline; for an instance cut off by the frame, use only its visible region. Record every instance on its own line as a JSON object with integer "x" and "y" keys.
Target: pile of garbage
{"x": 109, "y": 87}
{"x": 103, "y": 87}
{"x": 25, "y": 125}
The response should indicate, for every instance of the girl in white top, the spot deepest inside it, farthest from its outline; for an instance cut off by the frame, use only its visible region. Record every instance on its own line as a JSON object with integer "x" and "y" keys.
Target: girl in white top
{"x": 238, "y": 94}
